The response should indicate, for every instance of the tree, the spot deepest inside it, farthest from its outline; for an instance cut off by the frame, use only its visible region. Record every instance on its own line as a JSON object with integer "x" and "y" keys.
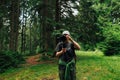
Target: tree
{"x": 89, "y": 29}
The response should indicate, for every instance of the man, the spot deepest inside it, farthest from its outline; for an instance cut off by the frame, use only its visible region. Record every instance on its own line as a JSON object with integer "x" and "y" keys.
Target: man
{"x": 65, "y": 51}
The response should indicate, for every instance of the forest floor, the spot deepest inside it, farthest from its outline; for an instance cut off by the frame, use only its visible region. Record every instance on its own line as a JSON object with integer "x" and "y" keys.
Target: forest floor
{"x": 35, "y": 59}
{"x": 91, "y": 65}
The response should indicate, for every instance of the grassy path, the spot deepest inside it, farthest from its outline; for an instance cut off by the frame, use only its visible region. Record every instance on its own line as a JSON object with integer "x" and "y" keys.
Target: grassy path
{"x": 90, "y": 66}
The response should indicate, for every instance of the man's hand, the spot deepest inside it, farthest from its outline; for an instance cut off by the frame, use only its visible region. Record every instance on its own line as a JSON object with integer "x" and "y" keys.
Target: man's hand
{"x": 76, "y": 45}
{"x": 69, "y": 37}
{"x": 63, "y": 50}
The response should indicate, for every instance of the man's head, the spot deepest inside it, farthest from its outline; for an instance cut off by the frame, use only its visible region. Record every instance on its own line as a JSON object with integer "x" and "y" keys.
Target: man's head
{"x": 66, "y": 34}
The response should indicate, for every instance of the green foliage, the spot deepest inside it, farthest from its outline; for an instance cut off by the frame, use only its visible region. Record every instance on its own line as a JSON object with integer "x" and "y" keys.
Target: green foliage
{"x": 115, "y": 12}
{"x": 41, "y": 23}
{"x": 108, "y": 13}
{"x": 57, "y": 32}
{"x": 44, "y": 57}
{"x": 112, "y": 47}
{"x": 112, "y": 40}
{"x": 38, "y": 49}
{"x": 9, "y": 59}
{"x": 89, "y": 28}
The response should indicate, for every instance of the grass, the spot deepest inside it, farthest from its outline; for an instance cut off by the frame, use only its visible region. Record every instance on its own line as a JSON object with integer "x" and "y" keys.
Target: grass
{"x": 90, "y": 66}
{"x": 95, "y": 66}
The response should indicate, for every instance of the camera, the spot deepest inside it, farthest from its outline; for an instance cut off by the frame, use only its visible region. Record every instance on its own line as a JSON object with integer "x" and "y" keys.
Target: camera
{"x": 62, "y": 38}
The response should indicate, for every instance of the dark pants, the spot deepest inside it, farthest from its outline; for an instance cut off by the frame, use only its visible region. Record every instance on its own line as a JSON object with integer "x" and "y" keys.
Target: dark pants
{"x": 62, "y": 69}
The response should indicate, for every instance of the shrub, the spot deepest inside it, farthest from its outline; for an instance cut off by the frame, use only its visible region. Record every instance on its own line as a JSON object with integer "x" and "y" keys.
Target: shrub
{"x": 112, "y": 48}
{"x": 9, "y": 59}
{"x": 38, "y": 49}
{"x": 111, "y": 44}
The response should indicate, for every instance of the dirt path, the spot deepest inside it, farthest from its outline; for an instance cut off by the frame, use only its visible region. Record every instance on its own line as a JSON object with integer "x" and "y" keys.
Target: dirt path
{"x": 33, "y": 60}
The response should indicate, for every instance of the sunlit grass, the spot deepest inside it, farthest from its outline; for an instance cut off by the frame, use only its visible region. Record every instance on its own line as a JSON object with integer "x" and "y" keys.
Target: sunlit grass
{"x": 37, "y": 72}
{"x": 95, "y": 66}
{"x": 90, "y": 66}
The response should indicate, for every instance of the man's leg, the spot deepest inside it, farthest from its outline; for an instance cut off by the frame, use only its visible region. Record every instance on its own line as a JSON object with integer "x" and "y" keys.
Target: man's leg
{"x": 62, "y": 72}
{"x": 73, "y": 72}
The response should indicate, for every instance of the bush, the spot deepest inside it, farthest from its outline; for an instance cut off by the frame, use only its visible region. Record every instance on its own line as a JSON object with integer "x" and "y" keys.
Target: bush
{"x": 112, "y": 48}
{"x": 111, "y": 44}
{"x": 38, "y": 49}
{"x": 9, "y": 59}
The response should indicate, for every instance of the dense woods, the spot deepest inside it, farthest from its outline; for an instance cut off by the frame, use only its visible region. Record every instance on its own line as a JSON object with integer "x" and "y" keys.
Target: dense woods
{"x": 32, "y": 26}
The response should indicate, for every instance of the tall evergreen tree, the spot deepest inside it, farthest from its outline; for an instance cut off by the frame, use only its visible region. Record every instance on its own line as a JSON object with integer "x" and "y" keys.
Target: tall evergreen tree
{"x": 88, "y": 18}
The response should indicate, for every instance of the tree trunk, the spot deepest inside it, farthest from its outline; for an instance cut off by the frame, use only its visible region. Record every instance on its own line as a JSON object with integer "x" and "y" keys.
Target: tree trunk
{"x": 57, "y": 15}
{"x": 1, "y": 24}
{"x": 24, "y": 22}
{"x": 14, "y": 25}
{"x": 57, "y": 18}
{"x": 46, "y": 41}
{"x": 23, "y": 39}
{"x": 30, "y": 49}
{"x": 43, "y": 25}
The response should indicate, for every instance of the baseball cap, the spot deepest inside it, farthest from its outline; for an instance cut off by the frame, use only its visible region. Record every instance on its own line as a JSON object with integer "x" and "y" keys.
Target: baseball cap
{"x": 66, "y": 32}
